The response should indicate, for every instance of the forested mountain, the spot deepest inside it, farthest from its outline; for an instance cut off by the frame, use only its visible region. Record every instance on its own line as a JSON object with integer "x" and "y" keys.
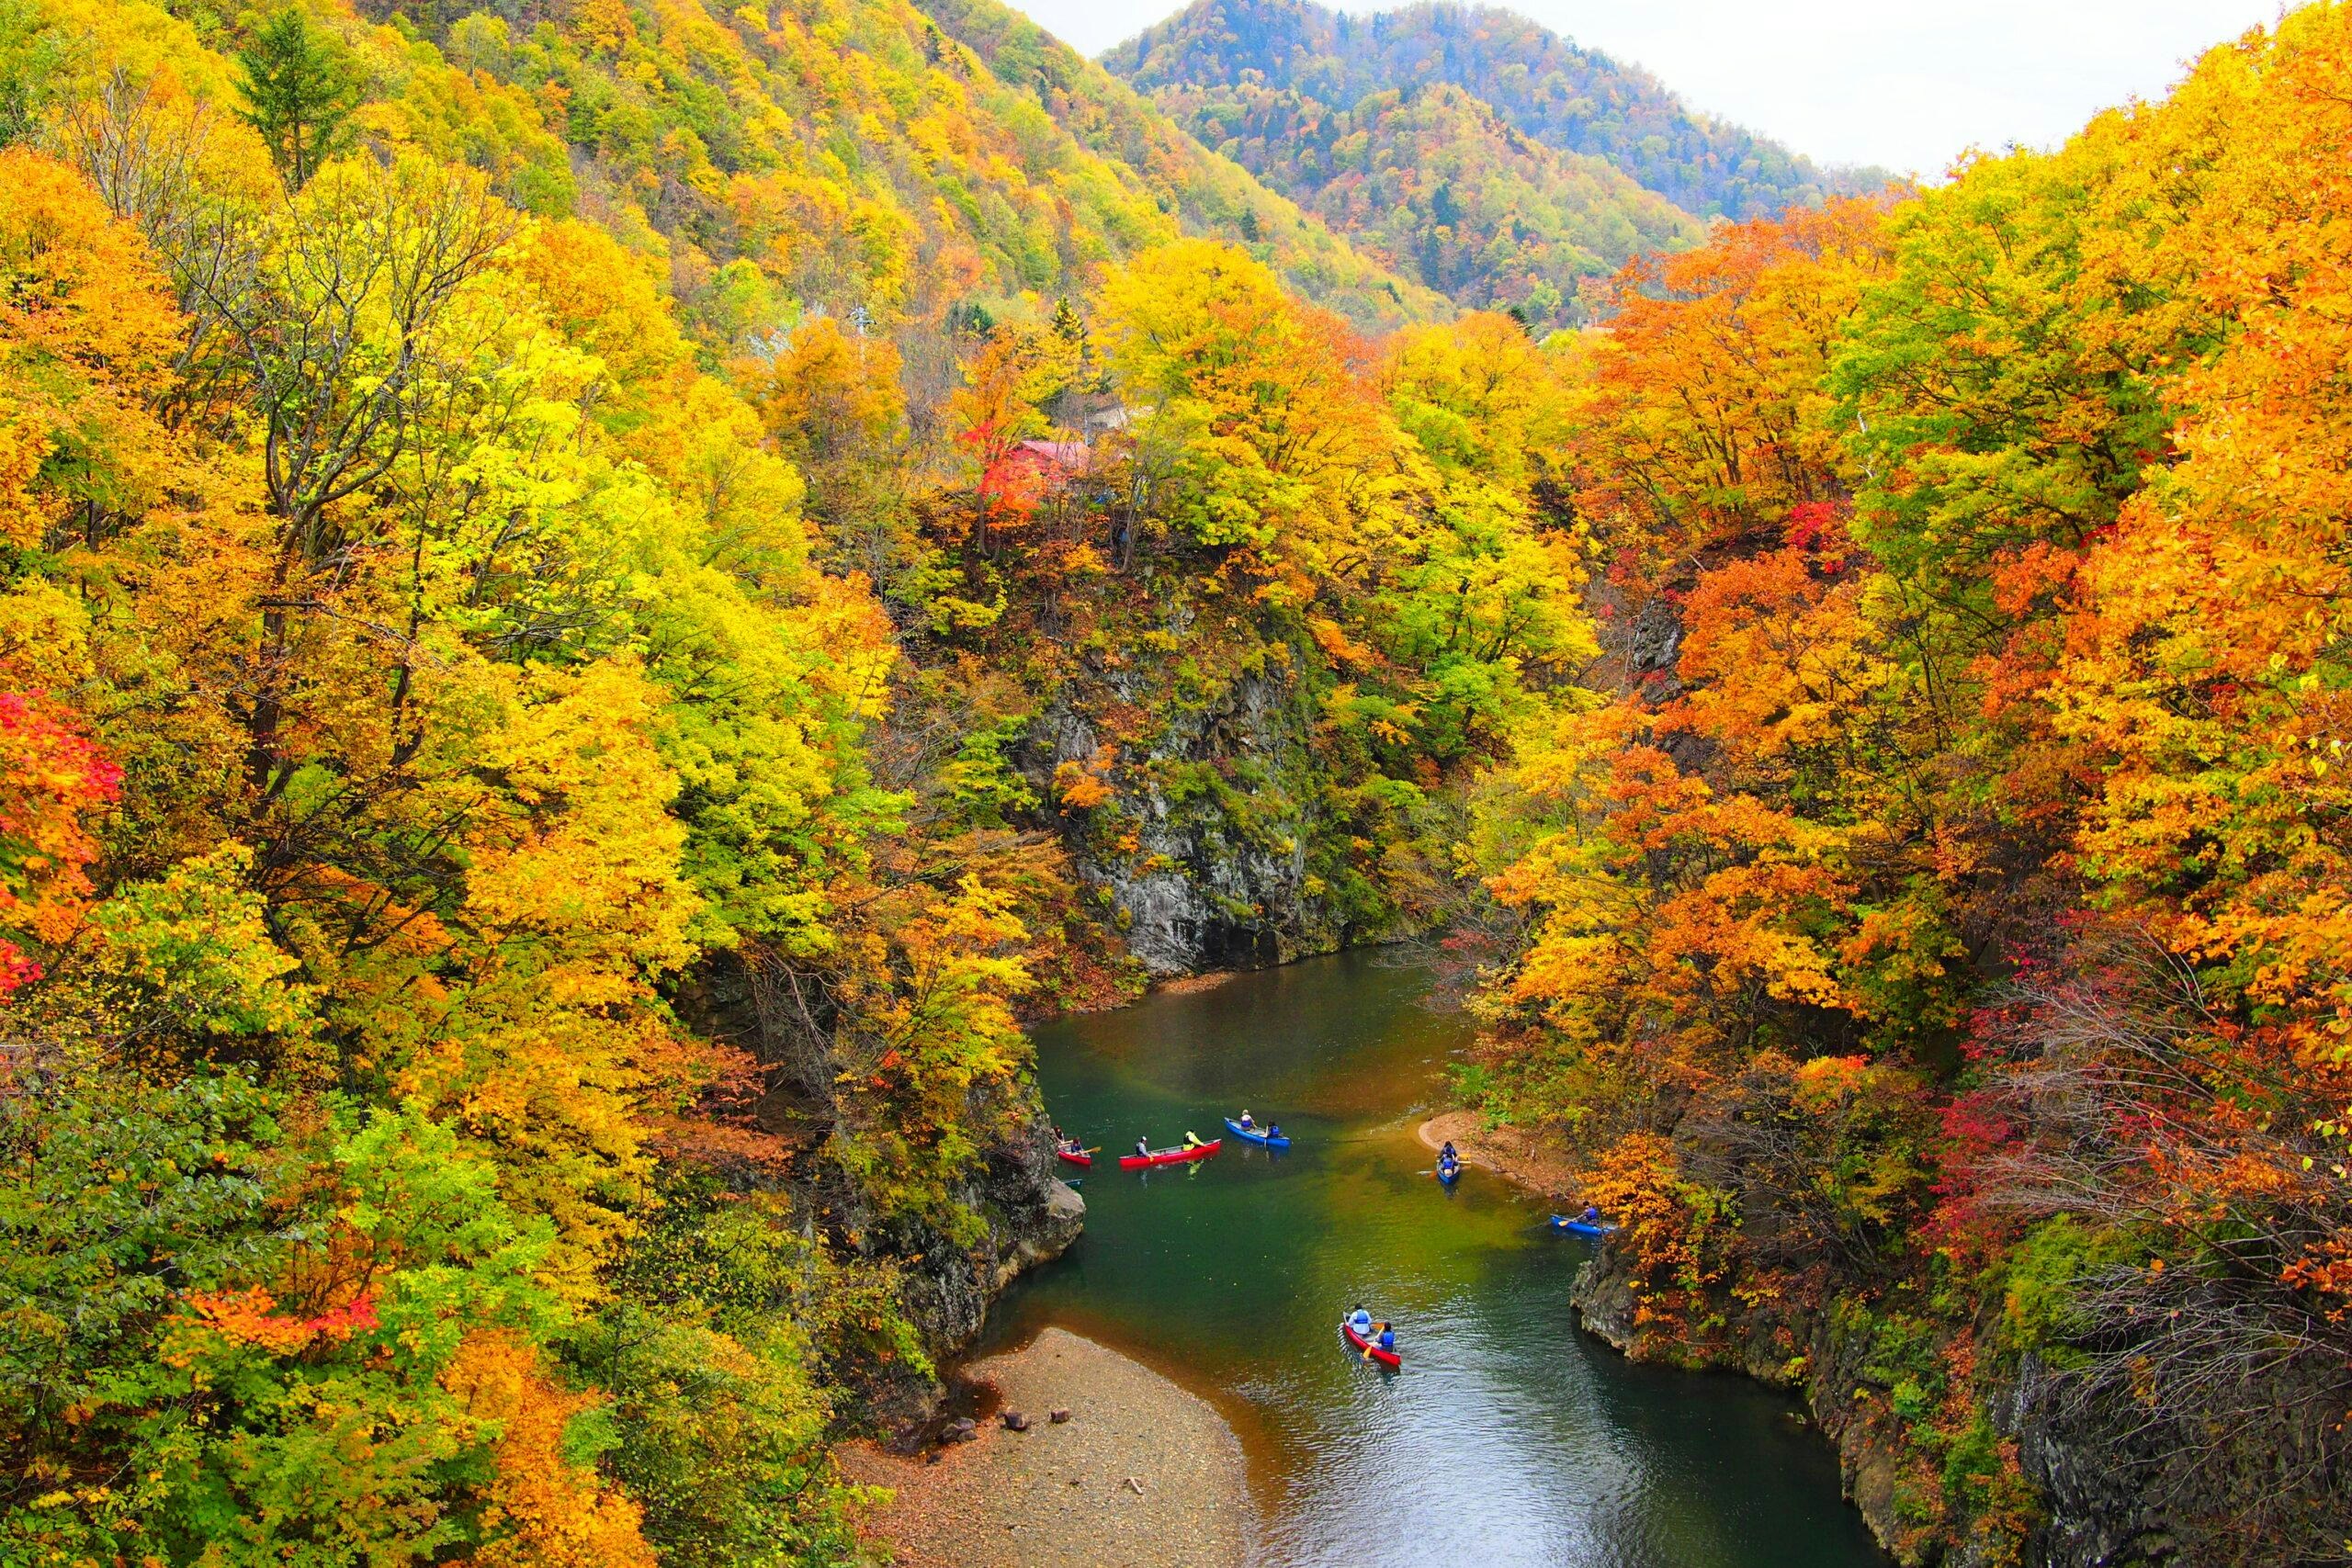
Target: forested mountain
{"x": 1553, "y": 91}
{"x": 1433, "y": 182}
{"x": 1103, "y": 114}
{"x": 850, "y": 150}
{"x": 590, "y": 606}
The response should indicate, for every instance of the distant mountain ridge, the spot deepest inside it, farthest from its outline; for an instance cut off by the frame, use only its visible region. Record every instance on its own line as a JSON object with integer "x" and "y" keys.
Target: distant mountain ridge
{"x": 1570, "y": 98}
{"x": 1104, "y": 121}
{"x": 1433, "y": 182}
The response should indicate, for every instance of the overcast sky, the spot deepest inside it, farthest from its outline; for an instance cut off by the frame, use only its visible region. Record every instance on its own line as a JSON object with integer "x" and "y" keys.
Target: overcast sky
{"x": 1907, "y": 84}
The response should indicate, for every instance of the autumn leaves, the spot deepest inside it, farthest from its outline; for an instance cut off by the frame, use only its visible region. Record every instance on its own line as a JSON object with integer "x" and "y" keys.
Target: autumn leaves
{"x": 1951, "y": 863}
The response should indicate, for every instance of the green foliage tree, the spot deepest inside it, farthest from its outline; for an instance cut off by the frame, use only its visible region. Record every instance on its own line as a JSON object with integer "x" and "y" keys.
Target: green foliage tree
{"x": 301, "y": 88}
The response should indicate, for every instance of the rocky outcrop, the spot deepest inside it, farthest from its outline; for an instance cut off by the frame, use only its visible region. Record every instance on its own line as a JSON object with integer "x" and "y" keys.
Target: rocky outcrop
{"x": 2101, "y": 1512}
{"x": 1028, "y": 1214}
{"x": 1218, "y": 813}
{"x": 2246, "y": 1474}
{"x": 1032, "y": 1216}
{"x": 2119, "y": 1487}
{"x": 1789, "y": 1346}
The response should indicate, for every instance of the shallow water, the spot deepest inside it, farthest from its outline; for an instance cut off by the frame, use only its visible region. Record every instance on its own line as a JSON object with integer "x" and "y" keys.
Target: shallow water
{"x": 1509, "y": 1437}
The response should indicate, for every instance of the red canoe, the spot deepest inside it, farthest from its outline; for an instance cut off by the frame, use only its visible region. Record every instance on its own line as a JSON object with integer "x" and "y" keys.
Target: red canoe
{"x": 1170, "y": 1156}
{"x": 1385, "y": 1358}
{"x": 1076, "y": 1157}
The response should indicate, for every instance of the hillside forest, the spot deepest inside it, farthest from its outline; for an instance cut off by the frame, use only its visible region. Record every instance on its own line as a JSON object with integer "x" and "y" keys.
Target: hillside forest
{"x": 1468, "y": 149}
{"x": 598, "y": 603}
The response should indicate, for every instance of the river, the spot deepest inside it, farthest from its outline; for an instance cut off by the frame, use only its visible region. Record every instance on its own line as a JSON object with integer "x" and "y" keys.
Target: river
{"x": 1509, "y": 1437}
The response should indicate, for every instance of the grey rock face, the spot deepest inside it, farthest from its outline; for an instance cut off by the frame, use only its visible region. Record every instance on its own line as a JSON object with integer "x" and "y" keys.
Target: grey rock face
{"x": 2099, "y": 1514}
{"x": 1033, "y": 1216}
{"x": 1655, "y": 640}
{"x": 2247, "y": 1473}
{"x": 1603, "y": 1297}
{"x": 2123, "y": 1486}
{"x": 1223, "y": 806}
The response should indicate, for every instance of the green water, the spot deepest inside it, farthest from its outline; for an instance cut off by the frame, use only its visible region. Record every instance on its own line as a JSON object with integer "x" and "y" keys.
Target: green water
{"x": 1509, "y": 1437}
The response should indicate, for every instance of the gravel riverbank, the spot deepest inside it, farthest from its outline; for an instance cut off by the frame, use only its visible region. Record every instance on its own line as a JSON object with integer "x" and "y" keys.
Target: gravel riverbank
{"x": 1143, "y": 1475}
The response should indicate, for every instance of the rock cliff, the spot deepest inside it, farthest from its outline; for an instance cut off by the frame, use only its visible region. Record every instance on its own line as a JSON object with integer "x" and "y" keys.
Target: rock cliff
{"x": 1033, "y": 1216}
{"x": 1219, "y": 817}
{"x": 2116, "y": 1485}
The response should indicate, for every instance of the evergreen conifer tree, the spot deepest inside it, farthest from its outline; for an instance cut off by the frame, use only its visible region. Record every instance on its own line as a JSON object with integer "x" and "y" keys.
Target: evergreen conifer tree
{"x": 301, "y": 88}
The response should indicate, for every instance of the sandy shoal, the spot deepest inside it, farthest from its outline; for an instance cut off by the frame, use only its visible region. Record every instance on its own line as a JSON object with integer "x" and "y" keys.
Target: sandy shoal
{"x": 1504, "y": 1150}
{"x": 1061, "y": 1494}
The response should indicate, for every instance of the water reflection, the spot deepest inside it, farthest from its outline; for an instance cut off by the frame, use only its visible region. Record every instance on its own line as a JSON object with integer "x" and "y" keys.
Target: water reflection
{"x": 1510, "y": 1439}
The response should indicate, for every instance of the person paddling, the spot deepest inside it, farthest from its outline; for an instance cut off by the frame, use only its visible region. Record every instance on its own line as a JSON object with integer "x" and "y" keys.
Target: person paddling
{"x": 1447, "y": 1154}
{"x": 1192, "y": 1139}
{"x": 1360, "y": 1321}
{"x": 1143, "y": 1148}
{"x": 1247, "y": 1124}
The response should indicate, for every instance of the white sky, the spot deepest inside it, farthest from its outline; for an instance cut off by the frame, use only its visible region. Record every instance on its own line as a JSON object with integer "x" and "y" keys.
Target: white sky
{"x": 1906, "y": 84}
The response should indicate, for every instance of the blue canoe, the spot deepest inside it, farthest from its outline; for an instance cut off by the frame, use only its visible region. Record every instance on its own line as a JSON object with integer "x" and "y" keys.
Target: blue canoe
{"x": 1256, "y": 1136}
{"x": 1580, "y": 1227}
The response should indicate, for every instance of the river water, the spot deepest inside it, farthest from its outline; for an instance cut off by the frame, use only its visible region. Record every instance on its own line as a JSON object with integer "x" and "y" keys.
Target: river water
{"x": 1510, "y": 1439}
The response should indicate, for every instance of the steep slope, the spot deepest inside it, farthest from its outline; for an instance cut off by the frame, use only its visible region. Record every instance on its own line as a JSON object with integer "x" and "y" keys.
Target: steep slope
{"x": 1436, "y": 184}
{"x": 1575, "y": 99}
{"x": 1927, "y": 954}
{"x": 857, "y": 157}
